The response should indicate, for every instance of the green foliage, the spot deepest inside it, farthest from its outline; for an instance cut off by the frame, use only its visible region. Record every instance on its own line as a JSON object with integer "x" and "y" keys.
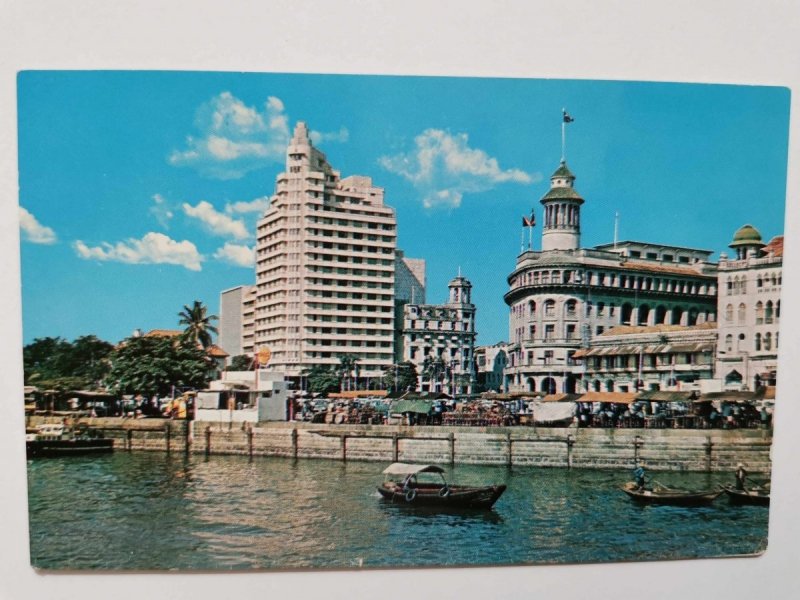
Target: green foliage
{"x": 55, "y": 363}
{"x": 406, "y": 377}
{"x": 198, "y": 324}
{"x": 323, "y": 380}
{"x": 152, "y": 365}
{"x": 241, "y": 362}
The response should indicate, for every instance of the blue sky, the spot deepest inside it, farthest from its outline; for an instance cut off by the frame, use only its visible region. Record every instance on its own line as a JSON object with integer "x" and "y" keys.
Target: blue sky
{"x": 139, "y": 191}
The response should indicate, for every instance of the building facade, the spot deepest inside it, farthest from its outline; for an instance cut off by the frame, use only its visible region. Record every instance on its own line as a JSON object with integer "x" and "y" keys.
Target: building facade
{"x": 490, "y": 362}
{"x": 237, "y": 320}
{"x": 439, "y": 339}
{"x": 562, "y": 297}
{"x": 325, "y": 268}
{"x": 749, "y": 306}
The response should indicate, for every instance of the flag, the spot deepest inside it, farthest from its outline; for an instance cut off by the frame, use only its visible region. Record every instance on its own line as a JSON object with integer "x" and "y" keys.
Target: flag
{"x": 567, "y": 118}
{"x": 526, "y": 222}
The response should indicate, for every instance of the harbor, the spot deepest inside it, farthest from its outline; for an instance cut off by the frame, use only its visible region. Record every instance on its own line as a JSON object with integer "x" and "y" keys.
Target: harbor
{"x": 144, "y": 510}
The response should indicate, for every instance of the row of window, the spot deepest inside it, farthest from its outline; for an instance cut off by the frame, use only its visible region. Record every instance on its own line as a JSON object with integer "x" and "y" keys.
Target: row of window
{"x": 765, "y": 313}
{"x": 738, "y": 285}
{"x": 761, "y": 342}
{"x": 623, "y": 281}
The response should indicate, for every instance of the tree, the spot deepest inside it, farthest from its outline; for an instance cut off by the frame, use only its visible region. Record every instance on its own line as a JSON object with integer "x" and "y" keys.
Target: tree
{"x": 347, "y": 365}
{"x": 322, "y": 379}
{"x": 242, "y": 362}
{"x": 198, "y": 324}
{"x": 407, "y": 376}
{"x": 153, "y": 365}
{"x": 433, "y": 370}
{"x": 59, "y": 364}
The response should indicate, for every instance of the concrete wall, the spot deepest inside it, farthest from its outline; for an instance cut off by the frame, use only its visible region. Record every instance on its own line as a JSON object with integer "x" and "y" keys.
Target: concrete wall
{"x": 661, "y": 449}
{"x": 673, "y": 450}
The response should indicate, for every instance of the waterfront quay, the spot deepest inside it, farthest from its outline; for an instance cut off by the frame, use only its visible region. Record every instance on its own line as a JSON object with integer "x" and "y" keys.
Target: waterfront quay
{"x": 698, "y": 450}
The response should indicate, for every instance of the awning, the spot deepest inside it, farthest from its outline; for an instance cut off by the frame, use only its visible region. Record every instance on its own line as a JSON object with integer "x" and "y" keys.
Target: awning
{"x": 662, "y": 396}
{"x": 729, "y": 396}
{"x": 422, "y": 407}
{"x": 561, "y": 398}
{"x": 553, "y": 412}
{"x": 407, "y": 469}
{"x": 611, "y": 397}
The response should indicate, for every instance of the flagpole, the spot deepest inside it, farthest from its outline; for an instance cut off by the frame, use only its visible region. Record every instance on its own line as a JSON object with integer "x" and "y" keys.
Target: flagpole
{"x": 563, "y": 137}
{"x": 530, "y": 237}
{"x": 522, "y": 241}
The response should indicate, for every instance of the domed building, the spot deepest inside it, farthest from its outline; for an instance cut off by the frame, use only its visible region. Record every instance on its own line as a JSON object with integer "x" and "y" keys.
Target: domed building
{"x": 563, "y": 298}
{"x": 749, "y": 306}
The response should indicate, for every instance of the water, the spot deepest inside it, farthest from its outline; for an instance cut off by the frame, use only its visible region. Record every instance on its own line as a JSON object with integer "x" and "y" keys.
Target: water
{"x": 149, "y": 511}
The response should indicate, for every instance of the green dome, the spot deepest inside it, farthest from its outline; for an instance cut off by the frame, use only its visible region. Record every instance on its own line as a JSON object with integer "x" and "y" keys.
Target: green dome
{"x": 562, "y": 171}
{"x": 747, "y": 235}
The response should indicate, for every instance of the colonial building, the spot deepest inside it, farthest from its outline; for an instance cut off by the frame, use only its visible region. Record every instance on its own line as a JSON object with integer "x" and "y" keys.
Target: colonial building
{"x": 563, "y": 297}
{"x": 440, "y": 340}
{"x": 656, "y": 357}
{"x": 325, "y": 268}
{"x": 490, "y": 361}
{"x": 749, "y": 306}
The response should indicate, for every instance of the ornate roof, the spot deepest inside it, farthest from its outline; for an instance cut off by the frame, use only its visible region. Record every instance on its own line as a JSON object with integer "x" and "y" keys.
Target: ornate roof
{"x": 747, "y": 235}
{"x": 561, "y": 193}
{"x": 563, "y": 171}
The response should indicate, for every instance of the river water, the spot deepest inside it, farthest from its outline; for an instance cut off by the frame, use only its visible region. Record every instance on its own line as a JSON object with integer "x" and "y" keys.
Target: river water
{"x": 148, "y": 511}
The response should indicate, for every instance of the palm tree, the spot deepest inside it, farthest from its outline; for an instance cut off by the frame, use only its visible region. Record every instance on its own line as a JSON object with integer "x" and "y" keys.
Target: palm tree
{"x": 198, "y": 324}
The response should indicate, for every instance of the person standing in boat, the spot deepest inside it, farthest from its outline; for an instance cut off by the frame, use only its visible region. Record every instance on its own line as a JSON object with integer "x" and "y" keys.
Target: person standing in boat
{"x": 639, "y": 476}
{"x": 741, "y": 475}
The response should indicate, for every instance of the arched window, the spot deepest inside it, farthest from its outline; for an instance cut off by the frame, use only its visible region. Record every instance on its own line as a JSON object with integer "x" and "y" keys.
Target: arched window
{"x": 758, "y": 342}
{"x": 532, "y": 308}
{"x": 736, "y": 285}
{"x": 768, "y": 342}
{"x": 768, "y": 312}
{"x": 644, "y": 314}
{"x": 759, "y": 313}
{"x": 777, "y": 310}
{"x": 774, "y": 280}
{"x": 677, "y": 315}
{"x": 742, "y": 313}
{"x": 531, "y": 384}
{"x": 532, "y": 332}
{"x": 729, "y": 313}
{"x": 570, "y": 308}
{"x": 625, "y": 314}
{"x": 549, "y": 308}
{"x": 729, "y": 286}
{"x": 759, "y": 282}
{"x": 610, "y": 385}
{"x": 692, "y": 316}
{"x": 743, "y": 285}
{"x": 597, "y": 385}
{"x": 729, "y": 343}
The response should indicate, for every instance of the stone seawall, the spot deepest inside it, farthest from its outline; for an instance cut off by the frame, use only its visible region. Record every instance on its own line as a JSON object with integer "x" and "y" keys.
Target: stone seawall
{"x": 661, "y": 449}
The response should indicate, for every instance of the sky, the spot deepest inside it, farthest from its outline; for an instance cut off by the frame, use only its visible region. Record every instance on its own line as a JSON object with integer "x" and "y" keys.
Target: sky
{"x": 140, "y": 191}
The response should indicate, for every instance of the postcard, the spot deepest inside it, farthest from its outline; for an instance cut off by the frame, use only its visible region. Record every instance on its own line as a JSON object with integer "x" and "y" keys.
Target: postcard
{"x": 302, "y": 321}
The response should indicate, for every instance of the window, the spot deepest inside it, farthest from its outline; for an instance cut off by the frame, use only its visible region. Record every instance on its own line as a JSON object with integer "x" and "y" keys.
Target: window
{"x": 729, "y": 313}
{"x": 742, "y": 313}
{"x": 549, "y": 308}
{"x": 759, "y": 313}
{"x": 549, "y": 331}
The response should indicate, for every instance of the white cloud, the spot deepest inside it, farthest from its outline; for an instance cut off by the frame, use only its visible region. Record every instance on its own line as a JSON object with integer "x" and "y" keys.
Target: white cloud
{"x": 161, "y": 210}
{"x": 153, "y": 248}
{"x": 33, "y": 230}
{"x": 443, "y": 167}
{"x": 319, "y": 137}
{"x": 235, "y": 138}
{"x": 241, "y": 256}
{"x": 216, "y": 222}
{"x": 259, "y": 205}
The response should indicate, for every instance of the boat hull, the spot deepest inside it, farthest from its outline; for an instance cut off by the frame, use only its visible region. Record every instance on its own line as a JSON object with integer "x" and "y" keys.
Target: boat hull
{"x": 671, "y": 497}
{"x": 453, "y": 497}
{"x": 54, "y": 448}
{"x": 754, "y": 497}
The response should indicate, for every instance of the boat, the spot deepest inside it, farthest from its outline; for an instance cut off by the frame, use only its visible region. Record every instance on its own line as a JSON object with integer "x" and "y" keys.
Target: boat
{"x": 755, "y": 495}
{"x": 55, "y": 439}
{"x": 403, "y": 485}
{"x": 660, "y": 494}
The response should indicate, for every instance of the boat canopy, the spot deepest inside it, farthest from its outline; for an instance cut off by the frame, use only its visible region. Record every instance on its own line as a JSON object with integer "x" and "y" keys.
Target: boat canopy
{"x": 407, "y": 469}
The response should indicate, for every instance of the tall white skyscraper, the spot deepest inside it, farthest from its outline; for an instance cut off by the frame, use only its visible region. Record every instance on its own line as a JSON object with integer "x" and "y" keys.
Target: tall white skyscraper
{"x": 325, "y": 268}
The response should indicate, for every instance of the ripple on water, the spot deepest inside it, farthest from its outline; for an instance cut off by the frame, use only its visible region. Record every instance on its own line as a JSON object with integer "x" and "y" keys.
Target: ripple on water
{"x": 150, "y": 511}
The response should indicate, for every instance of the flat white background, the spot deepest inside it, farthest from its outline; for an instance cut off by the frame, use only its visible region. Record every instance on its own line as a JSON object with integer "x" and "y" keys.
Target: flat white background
{"x": 691, "y": 41}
